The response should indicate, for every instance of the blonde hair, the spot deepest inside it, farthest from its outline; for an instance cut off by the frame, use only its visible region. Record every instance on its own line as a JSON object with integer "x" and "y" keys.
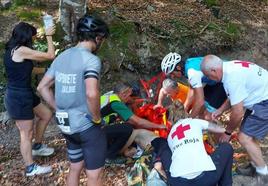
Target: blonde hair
{"x": 169, "y": 83}
{"x": 176, "y": 112}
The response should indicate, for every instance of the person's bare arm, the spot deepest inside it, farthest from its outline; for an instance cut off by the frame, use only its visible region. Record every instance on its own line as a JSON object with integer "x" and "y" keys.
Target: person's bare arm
{"x": 161, "y": 96}
{"x": 199, "y": 102}
{"x": 143, "y": 123}
{"x": 28, "y": 53}
{"x": 225, "y": 106}
{"x": 93, "y": 97}
{"x": 189, "y": 100}
{"x": 237, "y": 112}
{"x": 44, "y": 88}
{"x": 212, "y": 127}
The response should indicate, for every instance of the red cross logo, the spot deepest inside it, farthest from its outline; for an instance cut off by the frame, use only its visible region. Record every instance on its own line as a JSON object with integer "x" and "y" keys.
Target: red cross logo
{"x": 244, "y": 63}
{"x": 179, "y": 132}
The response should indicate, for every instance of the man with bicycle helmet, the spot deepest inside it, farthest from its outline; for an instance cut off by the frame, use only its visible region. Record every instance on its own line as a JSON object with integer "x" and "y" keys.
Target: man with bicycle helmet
{"x": 76, "y": 74}
{"x": 205, "y": 95}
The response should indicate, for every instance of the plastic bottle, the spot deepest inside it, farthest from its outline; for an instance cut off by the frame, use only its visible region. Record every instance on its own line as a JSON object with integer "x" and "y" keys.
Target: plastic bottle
{"x": 48, "y": 21}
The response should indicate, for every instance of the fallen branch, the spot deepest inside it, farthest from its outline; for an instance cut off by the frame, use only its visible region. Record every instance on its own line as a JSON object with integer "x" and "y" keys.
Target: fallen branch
{"x": 204, "y": 28}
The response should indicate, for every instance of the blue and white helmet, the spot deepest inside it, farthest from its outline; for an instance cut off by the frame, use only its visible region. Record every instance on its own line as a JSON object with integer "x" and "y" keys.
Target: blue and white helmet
{"x": 169, "y": 62}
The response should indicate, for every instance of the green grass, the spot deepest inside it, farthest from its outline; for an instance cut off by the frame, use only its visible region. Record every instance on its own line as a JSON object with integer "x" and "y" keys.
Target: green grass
{"x": 121, "y": 32}
{"x": 27, "y": 3}
{"x": 118, "y": 45}
{"x": 30, "y": 15}
{"x": 211, "y": 3}
{"x": 179, "y": 25}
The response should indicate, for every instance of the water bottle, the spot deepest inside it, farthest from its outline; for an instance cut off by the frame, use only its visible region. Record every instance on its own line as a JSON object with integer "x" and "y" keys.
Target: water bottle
{"x": 48, "y": 21}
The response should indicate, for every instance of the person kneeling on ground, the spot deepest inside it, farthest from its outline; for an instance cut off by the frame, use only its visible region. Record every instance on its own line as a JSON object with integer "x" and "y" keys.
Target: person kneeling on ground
{"x": 113, "y": 105}
{"x": 185, "y": 160}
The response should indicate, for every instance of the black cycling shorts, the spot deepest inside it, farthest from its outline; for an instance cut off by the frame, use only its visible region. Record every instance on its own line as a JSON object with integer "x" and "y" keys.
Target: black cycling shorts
{"x": 20, "y": 103}
{"x": 215, "y": 95}
{"x": 89, "y": 145}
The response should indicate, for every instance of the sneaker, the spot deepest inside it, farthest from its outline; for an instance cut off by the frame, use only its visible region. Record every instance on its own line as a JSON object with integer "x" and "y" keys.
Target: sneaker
{"x": 116, "y": 161}
{"x": 43, "y": 151}
{"x": 138, "y": 153}
{"x": 247, "y": 170}
{"x": 37, "y": 169}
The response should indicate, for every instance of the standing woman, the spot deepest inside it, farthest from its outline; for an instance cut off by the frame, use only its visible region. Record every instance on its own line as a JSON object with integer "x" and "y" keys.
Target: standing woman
{"x": 21, "y": 101}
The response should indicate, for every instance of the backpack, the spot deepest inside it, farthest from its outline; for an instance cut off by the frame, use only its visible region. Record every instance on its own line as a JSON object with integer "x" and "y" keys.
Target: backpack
{"x": 141, "y": 169}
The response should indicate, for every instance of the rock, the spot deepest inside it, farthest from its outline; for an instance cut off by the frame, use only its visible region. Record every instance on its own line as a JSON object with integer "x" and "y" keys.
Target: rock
{"x": 6, "y": 4}
{"x": 4, "y": 118}
{"x": 150, "y": 8}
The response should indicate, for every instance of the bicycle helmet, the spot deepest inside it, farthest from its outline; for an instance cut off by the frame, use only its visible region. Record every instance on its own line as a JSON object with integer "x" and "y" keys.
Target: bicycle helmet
{"x": 169, "y": 62}
{"x": 89, "y": 24}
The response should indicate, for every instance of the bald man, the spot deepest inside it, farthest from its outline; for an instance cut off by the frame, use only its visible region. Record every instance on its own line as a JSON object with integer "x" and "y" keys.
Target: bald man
{"x": 246, "y": 85}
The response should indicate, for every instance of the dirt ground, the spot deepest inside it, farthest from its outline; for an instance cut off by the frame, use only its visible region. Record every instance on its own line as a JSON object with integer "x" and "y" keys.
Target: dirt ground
{"x": 252, "y": 15}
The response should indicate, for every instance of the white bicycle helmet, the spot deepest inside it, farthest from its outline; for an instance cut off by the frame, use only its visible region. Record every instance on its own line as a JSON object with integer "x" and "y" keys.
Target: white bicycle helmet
{"x": 169, "y": 62}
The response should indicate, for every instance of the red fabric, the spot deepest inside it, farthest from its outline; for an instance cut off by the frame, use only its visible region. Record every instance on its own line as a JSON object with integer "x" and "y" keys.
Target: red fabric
{"x": 156, "y": 116}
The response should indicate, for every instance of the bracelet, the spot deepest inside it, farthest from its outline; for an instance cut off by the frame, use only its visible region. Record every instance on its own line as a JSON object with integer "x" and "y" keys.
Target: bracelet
{"x": 228, "y": 133}
{"x": 48, "y": 35}
{"x": 96, "y": 122}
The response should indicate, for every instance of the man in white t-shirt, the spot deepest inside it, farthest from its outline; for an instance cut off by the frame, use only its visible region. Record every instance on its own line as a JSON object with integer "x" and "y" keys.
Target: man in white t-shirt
{"x": 246, "y": 85}
{"x": 190, "y": 165}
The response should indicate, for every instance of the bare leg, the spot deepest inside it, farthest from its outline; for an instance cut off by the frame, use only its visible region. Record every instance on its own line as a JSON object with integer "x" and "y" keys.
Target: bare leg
{"x": 130, "y": 140}
{"x": 26, "y": 134}
{"x": 144, "y": 137}
{"x": 94, "y": 177}
{"x": 253, "y": 149}
{"x": 44, "y": 115}
{"x": 74, "y": 173}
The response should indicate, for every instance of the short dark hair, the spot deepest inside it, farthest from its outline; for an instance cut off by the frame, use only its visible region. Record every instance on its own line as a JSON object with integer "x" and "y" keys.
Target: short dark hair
{"x": 120, "y": 87}
{"x": 21, "y": 36}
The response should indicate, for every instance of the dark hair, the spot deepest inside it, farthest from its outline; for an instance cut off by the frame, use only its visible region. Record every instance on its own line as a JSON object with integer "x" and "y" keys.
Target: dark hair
{"x": 120, "y": 86}
{"x": 88, "y": 28}
{"x": 182, "y": 65}
{"x": 21, "y": 36}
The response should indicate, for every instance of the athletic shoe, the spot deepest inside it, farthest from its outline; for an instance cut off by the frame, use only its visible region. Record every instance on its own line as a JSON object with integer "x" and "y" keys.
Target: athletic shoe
{"x": 43, "y": 151}
{"x": 117, "y": 161}
{"x": 247, "y": 170}
{"x": 37, "y": 169}
{"x": 138, "y": 153}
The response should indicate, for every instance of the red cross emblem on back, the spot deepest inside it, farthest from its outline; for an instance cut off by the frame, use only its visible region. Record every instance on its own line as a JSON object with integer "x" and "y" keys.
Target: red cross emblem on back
{"x": 244, "y": 63}
{"x": 179, "y": 132}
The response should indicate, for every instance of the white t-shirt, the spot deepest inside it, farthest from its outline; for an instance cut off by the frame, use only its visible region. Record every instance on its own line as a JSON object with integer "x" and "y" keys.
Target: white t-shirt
{"x": 195, "y": 78}
{"x": 189, "y": 157}
{"x": 245, "y": 81}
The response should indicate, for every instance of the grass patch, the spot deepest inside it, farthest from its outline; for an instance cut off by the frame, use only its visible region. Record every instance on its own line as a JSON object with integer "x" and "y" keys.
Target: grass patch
{"x": 119, "y": 46}
{"x": 211, "y": 3}
{"x": 29, "y": 15}
{"x": 233, "y": 29}
{"x": 179, "y": 25}
{"x": 27, "y": 3}
{"x": 121, "y": 32}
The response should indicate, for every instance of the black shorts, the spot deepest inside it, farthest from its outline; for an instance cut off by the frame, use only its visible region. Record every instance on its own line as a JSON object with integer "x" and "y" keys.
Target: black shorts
{"x": 20, "y": 103}
{"x": 89, "y": 145}
{"x": 215, "y": 95}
